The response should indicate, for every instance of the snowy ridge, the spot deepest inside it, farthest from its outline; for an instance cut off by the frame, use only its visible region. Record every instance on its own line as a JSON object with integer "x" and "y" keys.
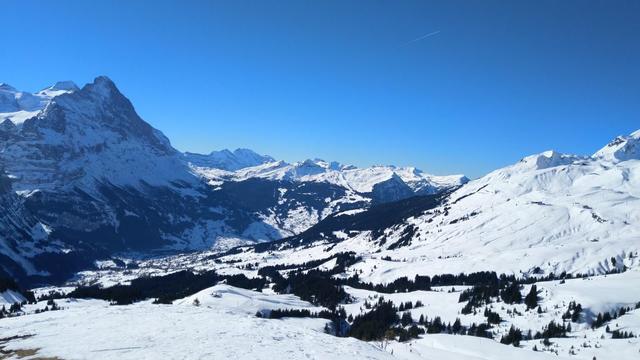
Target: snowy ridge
{"x": 18, "y": 106}
{"x": 549, "y": 212}
{"x": 621, "y": 148}
{"x": 361, "y": 180}
{"x": 227, "y": 160}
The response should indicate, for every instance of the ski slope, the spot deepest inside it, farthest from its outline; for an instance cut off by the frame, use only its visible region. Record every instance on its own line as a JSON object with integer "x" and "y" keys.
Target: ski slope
{"x": 222, "y": 326}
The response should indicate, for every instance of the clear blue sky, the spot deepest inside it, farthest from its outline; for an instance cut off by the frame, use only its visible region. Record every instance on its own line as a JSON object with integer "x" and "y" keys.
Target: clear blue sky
{"x": 345, "y": 80}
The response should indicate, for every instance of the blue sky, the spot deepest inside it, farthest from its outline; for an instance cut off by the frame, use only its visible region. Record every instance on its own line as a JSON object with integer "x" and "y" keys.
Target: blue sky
{"x": 349, "y": 80}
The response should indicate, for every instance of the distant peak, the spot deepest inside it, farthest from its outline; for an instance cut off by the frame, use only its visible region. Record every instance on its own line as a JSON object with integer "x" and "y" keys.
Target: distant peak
{"x": 229, "y": 160}
{"x": 65, "y": 86}
{"x": 317, "y": 162}
{"x": 102, "y": 79}
{"x": 5, "y": 86}
{"x": 547, "y": 159}
{"x": 104, "y": 82}
{"x": 309, "y": 162}
{"x": 244, "y": 151}
{"x": 102, "y": 86}
{"x": 621, "y": 148}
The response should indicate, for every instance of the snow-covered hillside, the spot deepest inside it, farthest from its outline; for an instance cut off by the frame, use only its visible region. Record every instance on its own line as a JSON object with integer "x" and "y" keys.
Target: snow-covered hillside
{"x": 221, "y": 326}
{"x": 220, "y": 321}
{"x": 547, "y": 213}
{"x": 559, "y": 231}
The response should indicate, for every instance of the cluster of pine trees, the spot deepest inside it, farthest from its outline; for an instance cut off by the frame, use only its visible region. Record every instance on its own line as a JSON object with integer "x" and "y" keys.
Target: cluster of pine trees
{"x": 164, "y": 289}
{"x": 299, "y": 313}
{"x": 573, "y": 313}
{"x": 51, "y": 306}
{"x": 373, "y": 325}
{"x": 553, "y": 330}
{"x": 51, "y": 295}
{"x": 603, "y": 318}
{"x": 402, "y": 284}
{"x": 481, "y": 295}
{"x": 13, "y": 310}
{"x": 314, "y": 286}
{"x": 408, "y": 305}
{"x": 617, "y": 334}
{"x": 492, "y": 317}
{"x": 513, "y": 337}
{"x": 343, "y": 260}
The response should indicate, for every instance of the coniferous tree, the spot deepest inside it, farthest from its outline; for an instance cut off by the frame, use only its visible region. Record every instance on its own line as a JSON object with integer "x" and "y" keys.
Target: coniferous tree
{"x": 406, "y": 319}
{"x": 511, "y": 294}
{"x": 457, "y": 326}
{"x": 492, "y": 317}
{"x": 513, "y": 337}
{"x": 531, "y": 300}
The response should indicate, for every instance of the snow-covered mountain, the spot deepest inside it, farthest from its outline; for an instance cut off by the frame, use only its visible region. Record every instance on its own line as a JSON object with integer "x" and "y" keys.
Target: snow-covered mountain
{"x": 86, "y": 168}
{"x": 380, "y": 183}
{"x": 17, "y": 106}
{"x": 549, "y": 212}
{"x": 558, "y": 230}
{"x": 227, "y": 160}
{"x": 85, "y": 182}
{"x": 621, "y": 148}
{"x": 82, "y": 138}
{"x": 93, "y": 173}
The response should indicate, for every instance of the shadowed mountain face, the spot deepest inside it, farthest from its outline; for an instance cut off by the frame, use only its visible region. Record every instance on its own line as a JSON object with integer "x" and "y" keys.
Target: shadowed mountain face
{"x": 85, "y": 176}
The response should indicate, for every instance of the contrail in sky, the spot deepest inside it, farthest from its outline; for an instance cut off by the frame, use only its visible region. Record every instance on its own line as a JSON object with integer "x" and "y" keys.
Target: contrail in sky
{"x": 421, "y": 38}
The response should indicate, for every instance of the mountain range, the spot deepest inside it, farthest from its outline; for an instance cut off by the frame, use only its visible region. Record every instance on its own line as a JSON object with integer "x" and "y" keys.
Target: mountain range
{"x": 535, "y": 260}
{"x": 86, "y": 177}
{"x": 550, "y": 213}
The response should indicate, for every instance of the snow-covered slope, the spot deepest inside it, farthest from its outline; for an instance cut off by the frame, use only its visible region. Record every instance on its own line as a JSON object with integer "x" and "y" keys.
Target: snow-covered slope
{"x": 222, "y": 326}
{"x": 621, "y": 148}
{"x": 547, "y": 213}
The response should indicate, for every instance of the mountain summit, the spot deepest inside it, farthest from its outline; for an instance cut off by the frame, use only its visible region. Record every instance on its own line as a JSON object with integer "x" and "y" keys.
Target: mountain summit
{"x": 622, "y": 148}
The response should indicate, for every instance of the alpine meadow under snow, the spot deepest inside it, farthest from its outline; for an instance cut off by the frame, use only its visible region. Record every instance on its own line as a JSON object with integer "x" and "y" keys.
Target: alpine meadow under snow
{"x": 110, "y": 235}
